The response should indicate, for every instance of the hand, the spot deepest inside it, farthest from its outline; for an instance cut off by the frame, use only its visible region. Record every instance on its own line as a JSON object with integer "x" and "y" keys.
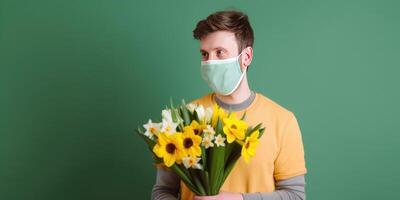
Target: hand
{"x": 221, "y": 196}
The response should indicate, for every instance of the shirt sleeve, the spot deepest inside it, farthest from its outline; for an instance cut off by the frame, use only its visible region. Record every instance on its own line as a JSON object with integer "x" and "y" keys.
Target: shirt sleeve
{"x": 290, "y": 160}
{"x": 167, "y": 185}
{"x": 287, "y": 189}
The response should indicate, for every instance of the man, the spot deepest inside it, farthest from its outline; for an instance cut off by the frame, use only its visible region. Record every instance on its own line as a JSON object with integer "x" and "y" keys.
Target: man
{"x": 277, "y": 170}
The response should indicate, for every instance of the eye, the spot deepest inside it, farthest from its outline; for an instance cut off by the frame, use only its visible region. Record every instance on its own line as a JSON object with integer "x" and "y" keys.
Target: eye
{"x": 204, "y": 55}
{"x": 220, "y": 53}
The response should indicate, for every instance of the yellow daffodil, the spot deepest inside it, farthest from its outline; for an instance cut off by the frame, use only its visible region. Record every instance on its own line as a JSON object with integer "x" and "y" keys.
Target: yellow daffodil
{"x": 249, "y": 146}
{"x": 191, "y": 142}
{"x": 170, "y": 148}
{"x": 197, "y": 128}
{"x": 234, "y": 128}
{"x": 217, "y": 112}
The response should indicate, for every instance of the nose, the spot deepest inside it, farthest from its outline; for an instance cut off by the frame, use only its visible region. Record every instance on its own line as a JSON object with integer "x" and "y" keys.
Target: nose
{"x": 212, "y": 56}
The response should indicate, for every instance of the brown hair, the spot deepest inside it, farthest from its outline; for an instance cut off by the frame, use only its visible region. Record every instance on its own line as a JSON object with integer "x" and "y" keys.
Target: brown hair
{"x": 234, "y": 21}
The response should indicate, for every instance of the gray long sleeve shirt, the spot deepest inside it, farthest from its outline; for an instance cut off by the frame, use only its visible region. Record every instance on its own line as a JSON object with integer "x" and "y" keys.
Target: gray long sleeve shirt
{"x": 168, "y": 184}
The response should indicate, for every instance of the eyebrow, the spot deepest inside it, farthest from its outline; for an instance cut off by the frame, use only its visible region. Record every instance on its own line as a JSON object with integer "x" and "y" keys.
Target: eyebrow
{"x": 216, "y": 48}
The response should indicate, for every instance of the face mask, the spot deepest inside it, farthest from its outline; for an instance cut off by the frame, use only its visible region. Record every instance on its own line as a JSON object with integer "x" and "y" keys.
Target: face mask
{"x": 222, "y": 76}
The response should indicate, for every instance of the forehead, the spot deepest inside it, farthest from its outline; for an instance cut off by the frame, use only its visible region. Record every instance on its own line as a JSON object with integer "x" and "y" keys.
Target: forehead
{"x": 219, "y": 39}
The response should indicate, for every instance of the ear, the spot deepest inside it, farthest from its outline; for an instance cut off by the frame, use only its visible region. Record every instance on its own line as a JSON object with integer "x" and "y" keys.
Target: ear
{"x": 246, "y": 57}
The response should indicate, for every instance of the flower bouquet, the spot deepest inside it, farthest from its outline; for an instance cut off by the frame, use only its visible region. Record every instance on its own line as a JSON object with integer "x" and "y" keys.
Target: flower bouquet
{"x": 201, "y": 145}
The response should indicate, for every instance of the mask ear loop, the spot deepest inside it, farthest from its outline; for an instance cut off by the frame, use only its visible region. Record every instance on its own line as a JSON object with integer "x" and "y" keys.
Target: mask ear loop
{"x": 241, "y": 76}
{"x": 240, "y": 62}
{"x": 238, "y": 83}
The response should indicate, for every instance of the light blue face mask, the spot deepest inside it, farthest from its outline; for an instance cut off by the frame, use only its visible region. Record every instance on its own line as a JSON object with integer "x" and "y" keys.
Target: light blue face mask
{"x": 222, "y": 76}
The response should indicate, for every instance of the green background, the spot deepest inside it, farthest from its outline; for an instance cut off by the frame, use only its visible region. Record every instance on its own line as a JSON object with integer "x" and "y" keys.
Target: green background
{"x": 77, "y": 77}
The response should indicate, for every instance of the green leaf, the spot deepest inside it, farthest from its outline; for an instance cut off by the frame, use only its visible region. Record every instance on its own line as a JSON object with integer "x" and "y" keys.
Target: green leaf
{"x": 197, "y": 182}
{"x": 185, "y": 178}
{"x": 185, "y": 113}
{"x": 231, "y": 161}
{"x": 150, "y": 144}
{"x": 148, "y": 141}
{"x": 139, "y": 130}
{"x": 243, "y": 116}
{"x": 196, "y": 116}
{"x": 171, "y": 103}
{"x": 176, "y": 116}
{"x": 204, "y": 157}
{"x": 251, "y": 130}
{"x": 261, "y": 132}
{"x": 229, "y": 113}
{"x": 257, "y": 127}
{"x": 173, "y": 114}
{"x": 205, "y": 178}
{"x": 248, "y": 131}
{"x": 229, "y": 167}
{"x": 228, "y": 150}
{"x": 216, "y": 164}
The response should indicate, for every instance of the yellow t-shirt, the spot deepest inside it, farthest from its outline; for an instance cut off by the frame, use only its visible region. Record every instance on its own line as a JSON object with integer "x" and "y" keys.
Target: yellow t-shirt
{"x": 279, "y": 154}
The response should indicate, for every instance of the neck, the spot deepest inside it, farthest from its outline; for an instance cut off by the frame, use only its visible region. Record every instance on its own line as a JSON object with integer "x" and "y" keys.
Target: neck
{"x": 239, "y": 95}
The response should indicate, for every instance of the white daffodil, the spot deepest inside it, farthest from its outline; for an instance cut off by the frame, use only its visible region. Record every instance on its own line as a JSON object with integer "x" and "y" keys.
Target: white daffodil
{"x": 151, "y": 129}
{"x": 191, "y": 162}
{"x": 191, "y": 107}
{"x": 209, "y": 131}
{"x": 166, "y": 115}
{"x": 168, "y": 126}
{"x": 209, "y": 114}
{"x": 201, "y": 113}
{"x": 219, "y": 140}
{"x": 207, "y": 141}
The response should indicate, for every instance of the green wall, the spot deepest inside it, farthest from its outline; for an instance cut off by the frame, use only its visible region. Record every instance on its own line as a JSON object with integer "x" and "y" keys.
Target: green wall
{"x": 77, "y": 77}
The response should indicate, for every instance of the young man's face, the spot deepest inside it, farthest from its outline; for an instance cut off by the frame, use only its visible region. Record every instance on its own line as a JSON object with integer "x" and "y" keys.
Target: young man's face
{"x": 221, "y": 45}
{"x": 218, "y": 45}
